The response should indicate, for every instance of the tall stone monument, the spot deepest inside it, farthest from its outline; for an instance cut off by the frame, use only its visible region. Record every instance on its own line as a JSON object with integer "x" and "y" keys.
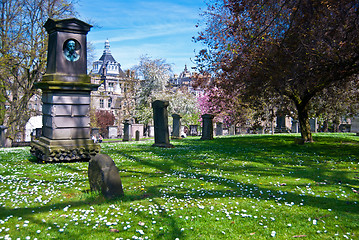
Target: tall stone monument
{"x": 127, "y": 131}
{"x": 160, "y": 119}
{"x": 207, "y": 127}
{"x": 66, "y": 89}
{"x": 176, "y": 132}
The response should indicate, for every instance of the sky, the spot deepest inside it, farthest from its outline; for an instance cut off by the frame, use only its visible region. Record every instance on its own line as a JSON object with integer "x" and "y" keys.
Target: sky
{"x": 156, "y": 28}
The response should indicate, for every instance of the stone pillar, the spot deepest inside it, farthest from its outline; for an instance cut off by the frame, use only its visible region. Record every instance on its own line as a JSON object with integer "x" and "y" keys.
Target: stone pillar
{"x": 160, "y": 119}
{"x": 207, "y": 127}
{"x": 176, "y": 134}
{"x": 295, "y": 126}
{"x": 66, "y": 89}
{"x": 2, "y": 135}
{"x": 219, "y": 129}
{"x": 126, "y": 131}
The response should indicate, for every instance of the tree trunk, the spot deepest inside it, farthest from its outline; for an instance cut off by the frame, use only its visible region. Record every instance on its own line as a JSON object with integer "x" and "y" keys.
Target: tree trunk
{"x": 304, "y": 123}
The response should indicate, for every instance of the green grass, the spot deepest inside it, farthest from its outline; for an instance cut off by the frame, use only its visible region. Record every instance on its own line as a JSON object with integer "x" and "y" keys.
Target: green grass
{"x": 243, "y": 187}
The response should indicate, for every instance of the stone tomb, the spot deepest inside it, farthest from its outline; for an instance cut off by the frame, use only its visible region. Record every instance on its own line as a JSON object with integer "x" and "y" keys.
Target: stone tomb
{"x": 66, "y": 89}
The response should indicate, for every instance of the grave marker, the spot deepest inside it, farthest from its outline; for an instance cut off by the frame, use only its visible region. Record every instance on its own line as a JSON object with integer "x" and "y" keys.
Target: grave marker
{"x": 66, "y": 89}
{"x": 160, "y": 119}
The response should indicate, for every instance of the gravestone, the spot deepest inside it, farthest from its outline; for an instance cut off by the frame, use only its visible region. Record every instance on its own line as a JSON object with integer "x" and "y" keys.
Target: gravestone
{"x": 104, "y": 176}
{"x": 313, "y": 125}
{"x": 232, "y": 130}
{"x": 219, "y": 129}
{"x": 127, "y": 131}
{"x": 2, "y": 135}
{"x": 193, "y": 130}
{"x": 355, "y": 125}
{"x": 66, "y": 89}
{"x": 160, "y": 120}
{"x": 176, "y": 133}
{"x": 295, "y": 126}
{"x": 112, "y": 132}
{"x": 207, "y": 127}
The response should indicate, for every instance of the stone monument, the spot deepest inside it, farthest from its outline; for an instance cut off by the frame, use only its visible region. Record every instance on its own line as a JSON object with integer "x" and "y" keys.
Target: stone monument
{"x": 219, "y": 129}
{"x": 126, "y": 131}
{"x": 176, "y": 132}
{"x": 355, "y": 125}
{"x": 160, "y": 119}
{"x": 207, "y": 127}
{"x": 66, "y": 89}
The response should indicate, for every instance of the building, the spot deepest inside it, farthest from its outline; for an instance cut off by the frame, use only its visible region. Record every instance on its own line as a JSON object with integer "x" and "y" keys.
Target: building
{"x": 116, "y": 91}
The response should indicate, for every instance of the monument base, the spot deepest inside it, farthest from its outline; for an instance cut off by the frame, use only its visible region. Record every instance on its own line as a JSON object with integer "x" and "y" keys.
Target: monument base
{"x": 163, "y": 145}
{"x": 49, "y": 150}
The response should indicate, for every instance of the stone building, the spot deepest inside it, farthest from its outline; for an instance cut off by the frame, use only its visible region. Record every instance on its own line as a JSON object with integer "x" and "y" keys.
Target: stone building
{"x": 117, "y": 88}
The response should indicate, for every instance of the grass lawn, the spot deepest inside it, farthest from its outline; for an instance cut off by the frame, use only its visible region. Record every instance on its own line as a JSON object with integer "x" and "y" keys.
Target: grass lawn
{"x": 243, "y": 187}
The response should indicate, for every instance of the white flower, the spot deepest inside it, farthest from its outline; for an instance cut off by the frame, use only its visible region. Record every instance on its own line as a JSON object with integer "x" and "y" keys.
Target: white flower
{"x": 273, "y": 233}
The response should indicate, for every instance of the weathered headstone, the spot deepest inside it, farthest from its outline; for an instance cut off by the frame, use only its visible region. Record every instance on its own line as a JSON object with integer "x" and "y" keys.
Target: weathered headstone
{"x": 176, "y": 132}
{"x": 313, "y": 125}
{"x": 2, "y": 135}
{"x": 219, "y": 129}
{"x": 193, "y": 130}
{"x": 66, "y": 89}
{"x": 232, "y": 130}
{"x": 160, "y": 119}
{"x": 295, "y": 126}
{"x": 112, "y": 132}
{"x": 281, "y": 124}
{"x": 127, "y": 131}
{"x": 207, "y": 127}
{"x": 104, "y": 176}
{"x": 355, "y": 125}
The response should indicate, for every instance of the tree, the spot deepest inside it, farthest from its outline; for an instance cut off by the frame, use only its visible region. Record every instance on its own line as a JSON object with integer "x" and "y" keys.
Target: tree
{"x": 154, "y": 75}
{"x": 23, "y": 55}
{"x": 288, "y": 49}
{"x": 103, "y": 120}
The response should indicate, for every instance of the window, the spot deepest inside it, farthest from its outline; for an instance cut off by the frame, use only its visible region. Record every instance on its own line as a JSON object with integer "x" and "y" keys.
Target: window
{"x": 109, "y": 103}
{"x": 101, "y": 103}
{"x": 110, "y": 86}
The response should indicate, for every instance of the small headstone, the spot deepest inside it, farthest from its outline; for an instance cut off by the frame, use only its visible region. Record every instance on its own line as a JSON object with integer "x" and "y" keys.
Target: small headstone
{"x": 176, "y": 134}
{"x": 313, "y": 125}
{"x": 112, "y": 132}
{"x": 104, "y": 176}
{"x": 207, "y": 127}
{"x": 295, "y": 126}
{"x": 193, "y": 130}
{"x": 232, "y": 130}
{"x": 160, "y": 119}
{"x": 219, "y": 129}
{"x": 126, "y": 131}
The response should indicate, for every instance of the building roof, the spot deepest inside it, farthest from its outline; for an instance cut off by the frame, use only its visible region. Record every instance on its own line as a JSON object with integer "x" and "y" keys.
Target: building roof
{"x": 105, "y": 60}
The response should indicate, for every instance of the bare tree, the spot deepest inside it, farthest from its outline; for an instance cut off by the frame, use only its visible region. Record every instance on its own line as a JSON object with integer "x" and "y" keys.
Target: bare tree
{"x": 23, "y": 55}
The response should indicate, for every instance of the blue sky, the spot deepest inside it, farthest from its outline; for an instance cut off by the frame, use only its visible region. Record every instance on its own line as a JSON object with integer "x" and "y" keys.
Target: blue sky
{"x": 160, "y": 29}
